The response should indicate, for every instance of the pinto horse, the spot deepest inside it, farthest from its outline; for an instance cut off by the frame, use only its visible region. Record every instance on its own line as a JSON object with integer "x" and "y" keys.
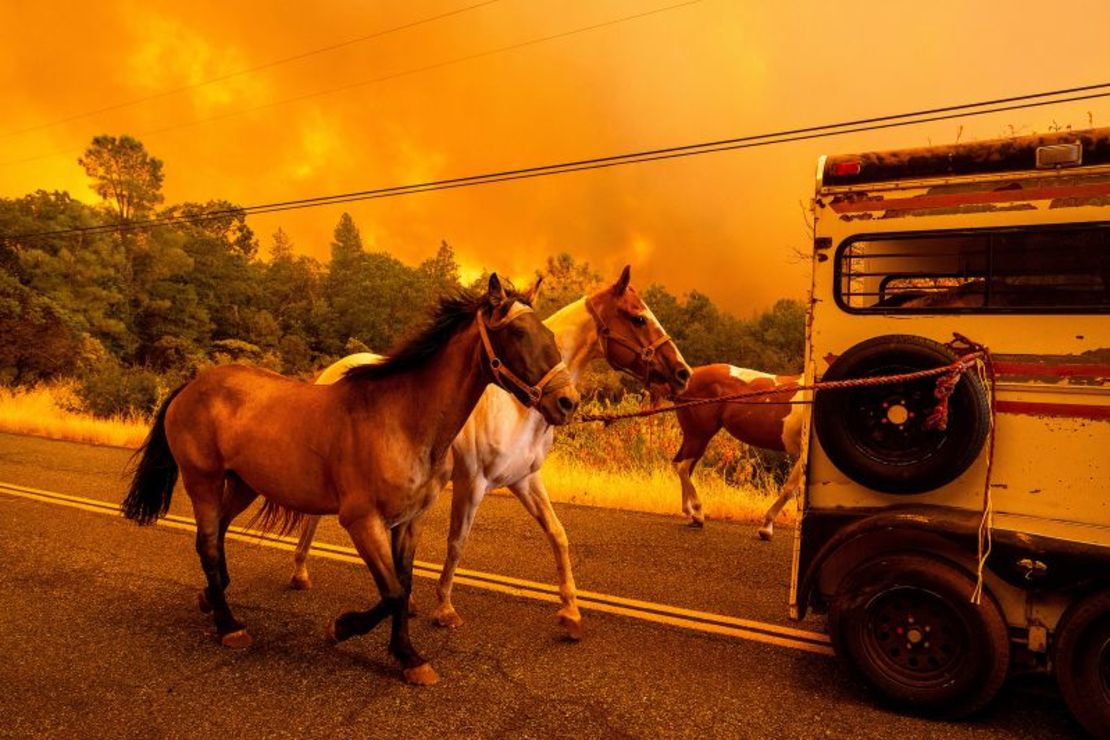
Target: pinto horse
{"x": 504, "y": 444}
{"x": 371, "y": 448}
{"x": 772, "y": 422}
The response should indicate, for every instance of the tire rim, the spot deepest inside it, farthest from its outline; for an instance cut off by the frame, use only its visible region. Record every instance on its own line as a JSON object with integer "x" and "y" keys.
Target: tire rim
{"x": 889, "y": 420}
{"x": 915, "y": 637}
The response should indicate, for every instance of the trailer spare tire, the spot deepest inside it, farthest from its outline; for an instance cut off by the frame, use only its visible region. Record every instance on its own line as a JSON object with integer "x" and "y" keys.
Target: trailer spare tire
{"x": 877, "y": 436}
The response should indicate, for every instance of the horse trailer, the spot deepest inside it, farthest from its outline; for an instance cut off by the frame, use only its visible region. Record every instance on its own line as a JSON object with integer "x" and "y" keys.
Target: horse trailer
{"x": 949, "y": 552}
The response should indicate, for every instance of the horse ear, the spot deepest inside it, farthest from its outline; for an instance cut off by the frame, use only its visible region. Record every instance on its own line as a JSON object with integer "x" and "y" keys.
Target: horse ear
{"x": 497, "y": 294}
{"x": 622, "y": 282}
{"x": 533, "y": 293}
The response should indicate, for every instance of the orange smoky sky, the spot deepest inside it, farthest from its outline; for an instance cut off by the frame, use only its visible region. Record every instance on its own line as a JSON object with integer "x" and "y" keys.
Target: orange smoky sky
{"x": 448, "y": 98}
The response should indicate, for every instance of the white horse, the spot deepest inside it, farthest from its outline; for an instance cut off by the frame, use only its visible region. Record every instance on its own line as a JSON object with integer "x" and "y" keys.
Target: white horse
{"x": 504, "y": 444}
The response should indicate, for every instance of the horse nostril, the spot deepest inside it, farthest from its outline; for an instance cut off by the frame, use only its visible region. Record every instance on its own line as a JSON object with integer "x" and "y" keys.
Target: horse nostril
{"x": 567, "y": 404}
{"x": 683, "y": 374}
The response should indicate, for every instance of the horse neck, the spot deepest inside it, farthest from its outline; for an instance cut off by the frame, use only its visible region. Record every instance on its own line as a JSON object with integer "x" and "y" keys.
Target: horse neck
{"x": 438, "y": 397}
{"x": 575, "y": 335}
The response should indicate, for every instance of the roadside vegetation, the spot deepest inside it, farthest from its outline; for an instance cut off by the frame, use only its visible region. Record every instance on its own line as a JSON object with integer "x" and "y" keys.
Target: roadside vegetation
{"x": 98, "y": 326}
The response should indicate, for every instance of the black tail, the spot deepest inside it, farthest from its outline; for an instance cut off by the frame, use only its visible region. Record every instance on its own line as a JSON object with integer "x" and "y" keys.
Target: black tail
{"x": 155, "y": 473}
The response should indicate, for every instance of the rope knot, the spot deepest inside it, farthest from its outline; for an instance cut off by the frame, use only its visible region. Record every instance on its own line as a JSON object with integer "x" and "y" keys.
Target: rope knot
{"x": 945, "y": 386}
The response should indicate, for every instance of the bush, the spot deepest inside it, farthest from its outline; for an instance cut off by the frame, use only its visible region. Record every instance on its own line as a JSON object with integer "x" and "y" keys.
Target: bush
{"x": 110, "y": 390}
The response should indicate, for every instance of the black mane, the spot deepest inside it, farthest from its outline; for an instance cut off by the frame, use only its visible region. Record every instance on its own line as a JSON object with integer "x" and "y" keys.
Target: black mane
{"x": 451, "y": 315}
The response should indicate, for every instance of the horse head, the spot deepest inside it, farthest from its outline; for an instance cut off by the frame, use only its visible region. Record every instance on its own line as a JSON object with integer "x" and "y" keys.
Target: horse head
{"x": 632, "y": 339}
{"x": 521, "y": 353}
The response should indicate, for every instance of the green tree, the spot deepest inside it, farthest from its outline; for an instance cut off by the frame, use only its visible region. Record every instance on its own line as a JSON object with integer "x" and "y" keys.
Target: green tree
{"x": 38, "y": 344}
{"x": 293, "y": 292}
{"x": 440, "y": 273}
{"x": 565, "y": 280}
{"x": 81, "y": 274}
{"x": 124, "y": 175}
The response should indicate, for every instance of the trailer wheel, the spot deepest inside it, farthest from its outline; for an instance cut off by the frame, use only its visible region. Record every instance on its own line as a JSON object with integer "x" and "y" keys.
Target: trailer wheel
{"x": 1083, "y": 662}
{"x": 877, "y": 436}
{"x": 907, "y": 623}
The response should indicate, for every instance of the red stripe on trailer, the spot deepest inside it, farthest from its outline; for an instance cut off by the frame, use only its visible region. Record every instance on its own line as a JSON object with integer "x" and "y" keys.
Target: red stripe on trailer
{"x": 1073, "y": 370}
{"x": 1062, "y": 410}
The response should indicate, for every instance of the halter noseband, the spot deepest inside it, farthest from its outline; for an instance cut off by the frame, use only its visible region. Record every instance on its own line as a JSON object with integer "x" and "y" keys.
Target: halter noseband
{"x": 645, "y": 352}
{"x": 501, "y": 373}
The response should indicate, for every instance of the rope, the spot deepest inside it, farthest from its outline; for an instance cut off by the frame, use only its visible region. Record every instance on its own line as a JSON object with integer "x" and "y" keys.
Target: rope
{"x": 953, "y": 369}
{"x": 974, "y": 355}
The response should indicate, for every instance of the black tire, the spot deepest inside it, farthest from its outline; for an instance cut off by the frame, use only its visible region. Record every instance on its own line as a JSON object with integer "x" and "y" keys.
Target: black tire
{"x": 906, "y": 622}
{"x": 1082, "y": 656}
{"x": 876, "y": 435}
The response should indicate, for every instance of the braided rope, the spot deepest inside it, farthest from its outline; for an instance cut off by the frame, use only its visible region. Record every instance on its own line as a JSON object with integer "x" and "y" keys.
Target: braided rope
{"x": 952, "y": 370}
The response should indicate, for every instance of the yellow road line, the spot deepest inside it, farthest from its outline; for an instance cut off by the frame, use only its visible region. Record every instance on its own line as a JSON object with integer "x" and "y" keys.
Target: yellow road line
{"x": 691, "y": 619}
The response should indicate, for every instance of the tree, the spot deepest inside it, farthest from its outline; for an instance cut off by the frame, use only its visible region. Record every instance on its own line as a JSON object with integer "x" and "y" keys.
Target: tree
{"x": 37, "y": 342}
{"x": 124, "y": 175}
{"x": 292, "y": 289}
{"x": 565, "y": 281}
{"x": 440, "y": 273}
{"x": 81, "y": 275}
{"x": 343, "y": 282}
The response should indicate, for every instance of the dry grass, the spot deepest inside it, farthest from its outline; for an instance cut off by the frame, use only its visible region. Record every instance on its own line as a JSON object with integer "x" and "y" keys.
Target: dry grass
{"x": 623, "y": 467}
{"x": 654, "y": 492}
{"x": 49, "y": 411}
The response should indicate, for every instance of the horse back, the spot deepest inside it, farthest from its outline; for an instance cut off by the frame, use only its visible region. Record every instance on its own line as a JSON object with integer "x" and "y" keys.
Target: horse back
{"x": 761, "y": 421}
{"x": 268, "y": 429}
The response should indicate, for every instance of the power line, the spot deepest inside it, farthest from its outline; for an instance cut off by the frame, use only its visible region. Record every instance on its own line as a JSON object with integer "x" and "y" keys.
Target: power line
{"x": 1032, "y": 100}
{"x": 249, "y": 70}
{"x": 385, "y": 78}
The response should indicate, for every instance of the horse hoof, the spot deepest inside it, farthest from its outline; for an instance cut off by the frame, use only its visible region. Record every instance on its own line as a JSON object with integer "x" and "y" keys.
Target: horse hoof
{"x": 448, "y": 619}
{"x": 696, "y": 523}
{"x": 421, "y": 675}
{"x": 572, "y": 625}
{"x": 202, "y": 602}
{"x": 236, "y": 640}
{"x": 333, "y": 632}
{"x": 300, "y": 582}
{"x": 766, "y": 533}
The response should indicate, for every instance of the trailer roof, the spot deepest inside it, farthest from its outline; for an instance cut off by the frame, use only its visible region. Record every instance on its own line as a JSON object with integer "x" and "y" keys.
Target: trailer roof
{"x": 979, "y": 158}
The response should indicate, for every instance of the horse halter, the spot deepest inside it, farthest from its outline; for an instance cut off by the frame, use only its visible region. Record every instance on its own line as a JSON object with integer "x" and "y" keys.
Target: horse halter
{"x": 644, "y": 352}
{"x": 501, "y": 373}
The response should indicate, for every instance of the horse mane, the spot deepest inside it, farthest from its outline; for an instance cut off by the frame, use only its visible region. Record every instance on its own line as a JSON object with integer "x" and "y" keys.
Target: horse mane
{"x": 452, "y": 313}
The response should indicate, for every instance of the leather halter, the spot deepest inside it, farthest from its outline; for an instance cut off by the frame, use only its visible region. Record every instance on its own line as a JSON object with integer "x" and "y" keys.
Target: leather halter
{"x": 501, "y": 373}
{"x": 644, "y": 352}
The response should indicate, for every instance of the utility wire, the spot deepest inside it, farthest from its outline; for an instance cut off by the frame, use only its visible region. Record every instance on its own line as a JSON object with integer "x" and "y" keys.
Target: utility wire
{"x": 1019, "y": 102}
{"x": 385, "y": 78}
{"x": 249, "y": 70}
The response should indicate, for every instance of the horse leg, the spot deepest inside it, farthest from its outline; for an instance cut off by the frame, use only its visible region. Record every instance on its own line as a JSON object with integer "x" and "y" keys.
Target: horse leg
{"x": 372, "y": 540}
{"x": 416, "y": 669}
{"x": 237, "y": 497}
{"x": 693, "y": 447}
{"x": 789, "y": 490}
{"x": 300, "y": 579}
{"x": 467, "y": 492}
{"x": 533, "y": 494}
{"x": 206, "y": 492}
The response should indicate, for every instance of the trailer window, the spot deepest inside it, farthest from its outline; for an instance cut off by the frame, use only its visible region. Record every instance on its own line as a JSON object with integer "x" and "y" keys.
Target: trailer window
{"x": 1057, "y": 269}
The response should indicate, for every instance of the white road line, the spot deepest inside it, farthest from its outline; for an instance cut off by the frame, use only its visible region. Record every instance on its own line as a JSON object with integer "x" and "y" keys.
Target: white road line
{"x": 719, "y": 624}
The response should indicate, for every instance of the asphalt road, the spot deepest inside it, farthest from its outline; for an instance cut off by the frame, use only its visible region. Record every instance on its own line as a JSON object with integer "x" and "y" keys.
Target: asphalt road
{"x": 99, "y": 635}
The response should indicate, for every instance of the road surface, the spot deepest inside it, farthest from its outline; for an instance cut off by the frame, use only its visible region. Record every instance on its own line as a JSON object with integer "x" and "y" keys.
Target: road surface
{"x": 99, "y": 635}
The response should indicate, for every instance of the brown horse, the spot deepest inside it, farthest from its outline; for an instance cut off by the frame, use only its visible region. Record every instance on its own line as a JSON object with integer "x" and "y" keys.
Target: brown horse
{"x": 371, "y": 448}
{"x": 771, "y": 422}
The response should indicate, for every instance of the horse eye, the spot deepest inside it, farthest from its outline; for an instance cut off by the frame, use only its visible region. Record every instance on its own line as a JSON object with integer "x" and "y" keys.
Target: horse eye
{"x": 639, "y": 321}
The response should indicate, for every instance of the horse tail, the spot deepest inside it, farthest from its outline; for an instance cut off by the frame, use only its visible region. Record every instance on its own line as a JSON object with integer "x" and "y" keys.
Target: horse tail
{"x": 155, "y": 473}
{"x": 273, "y": 517}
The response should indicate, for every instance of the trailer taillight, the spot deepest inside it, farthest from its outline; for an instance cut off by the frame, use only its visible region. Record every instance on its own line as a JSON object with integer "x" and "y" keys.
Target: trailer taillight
{"x": 846, "y": 169}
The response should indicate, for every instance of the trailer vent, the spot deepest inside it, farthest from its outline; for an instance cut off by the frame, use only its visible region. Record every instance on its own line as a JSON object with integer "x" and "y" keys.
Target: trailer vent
{"x": 1059, "y": 155}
